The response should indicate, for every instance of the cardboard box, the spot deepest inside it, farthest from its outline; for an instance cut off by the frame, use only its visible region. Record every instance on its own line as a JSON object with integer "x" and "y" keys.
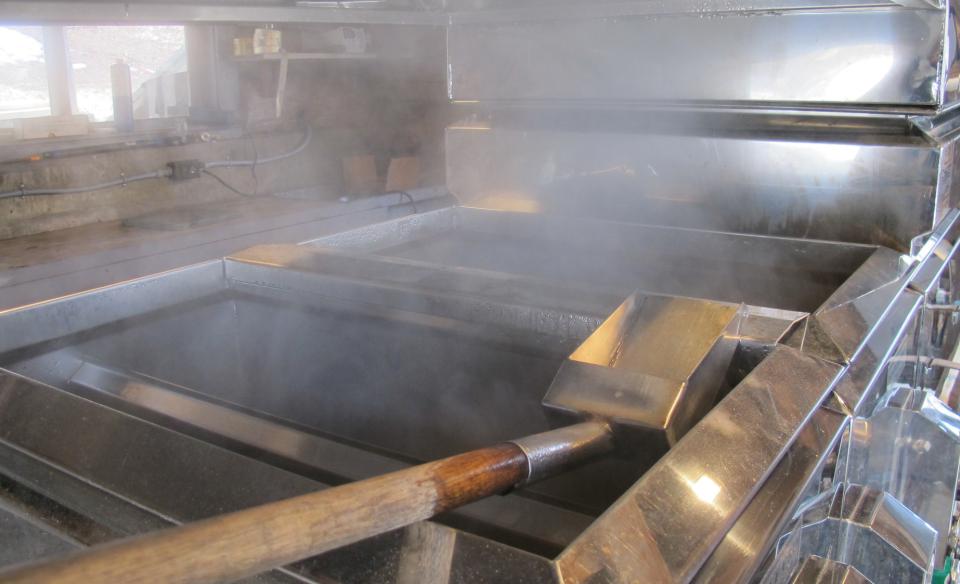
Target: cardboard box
{"x": 403, "y": 174}
{"x": 360, "y": 175}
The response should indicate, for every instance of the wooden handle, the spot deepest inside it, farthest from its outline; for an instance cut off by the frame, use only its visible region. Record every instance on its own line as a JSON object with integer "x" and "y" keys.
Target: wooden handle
{"x": 248, "y": 542}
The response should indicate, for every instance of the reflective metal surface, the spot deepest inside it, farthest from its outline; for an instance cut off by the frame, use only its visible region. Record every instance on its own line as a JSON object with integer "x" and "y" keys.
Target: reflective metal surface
{"x": 650, "y": 514}
{"x": 701, "y": 159}
{"x": 543, "y": 525}
{"x": 516, "y": 302}
{"x": 180, "y": 479}
{"x": 905, "y": 453}
{"x": 22, "y": 540}
{"x": 740, "y": 555}
{"x": 654, "y": 368}
{"x": 391, "y": 233}
{"x": 170, "y": 474}
{"x": 838, "y": 328}
{"x": 927, "y": 405}
{"x": 588, "y": 440}
{"x": 58, "y": 317}
{"x": 165, "y": 12}
{"x": 282, "y": 354}
{"x": 870, "y": 531}
{"x": 565, "y": 251}
{"x": 468, "y": 11}
{"x": 663, "y": 528}
{"x": 864, "y": 58}
{"x": 758, "y": 449}
{"x": 817, "y": 570}
{"x": 82, "y": 269}
{"x": 782, "y": 183}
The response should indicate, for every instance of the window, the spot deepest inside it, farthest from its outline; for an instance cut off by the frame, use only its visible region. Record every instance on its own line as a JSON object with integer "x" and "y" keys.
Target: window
{"x": 67, "y": 70}
{"x": 23, "y": 74}
{"x": 156, "y": 56}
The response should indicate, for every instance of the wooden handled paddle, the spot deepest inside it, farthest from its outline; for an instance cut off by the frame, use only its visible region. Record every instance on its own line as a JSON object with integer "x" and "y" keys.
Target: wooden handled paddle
{"x": 244, "y": 543}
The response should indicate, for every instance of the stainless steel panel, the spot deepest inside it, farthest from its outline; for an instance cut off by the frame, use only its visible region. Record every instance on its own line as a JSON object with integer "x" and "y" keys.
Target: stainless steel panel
{"x": 837, "y": 190}
{"x": 140, "y": 12}
{"x": 323, "y": 340}
{"x": 877, "y": 336}
{"x": 865, "y": 379}
{"x": 54, "y": 318}
{"x": 950, "y": 65}
{"x": 85, "y": 271}
{"x": 817, "y": 570}
{"x": 934, "y": 249}
{"x": 869, "y": 57}
{"x": 667, "y": 524}
{"x": 909, "y": 456}
{"x": 480, "y": 297}
{"x": 848, "y": 325}
{"x": 82, "y": 437}
{"x": 546, "y": 526}
{"x": 492, "y": 11}
{"x": 869, "y": 314}
{"x": 342, "y": 461}
{"x": 392, "y": 233}
{"x": 871, "y": 531}
{"x": 564, "y": 251}
{"x": 927, "y": 405}
{"x": 96, "y": 514}
{"x": 837, "y": 330}
{"x": 365, "y": 383}
{"x": 882, "y": 268}
{"x": 167, "y": 477}
{"x": 22, "y": 540}
{"x": 870, "y": 373}
{"x": 741, "y": 553}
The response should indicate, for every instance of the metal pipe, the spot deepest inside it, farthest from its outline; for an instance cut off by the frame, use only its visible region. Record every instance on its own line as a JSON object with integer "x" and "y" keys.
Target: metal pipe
{"x": 942, "y": 363}
{"x": 551, "y": 453}
{"x": 943, "y": 307}
{"x": 248, "y": 542}
{"x": 926, "y": 361}
{"x": 307, "y": 138}
{"x": 122, "y": 181}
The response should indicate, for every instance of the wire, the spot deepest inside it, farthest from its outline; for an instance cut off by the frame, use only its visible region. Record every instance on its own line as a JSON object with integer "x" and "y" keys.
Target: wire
{"x": 413, "y": 203}
{"x": 228, "y": 185}
{"x": 122, "y": 181}
{"x": 307, "y": 137}
{"x": 166, "y": 172}
{"x": 253, "y": 168}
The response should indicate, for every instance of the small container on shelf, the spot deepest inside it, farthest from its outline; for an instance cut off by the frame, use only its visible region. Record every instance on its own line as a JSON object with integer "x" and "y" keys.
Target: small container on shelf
{"x": 267, "y": 40}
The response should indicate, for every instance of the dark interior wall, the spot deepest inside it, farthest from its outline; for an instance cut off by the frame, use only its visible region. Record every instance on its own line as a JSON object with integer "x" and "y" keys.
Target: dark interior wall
{"x": 394, "y": 104}
{"x": 388, "y": 106}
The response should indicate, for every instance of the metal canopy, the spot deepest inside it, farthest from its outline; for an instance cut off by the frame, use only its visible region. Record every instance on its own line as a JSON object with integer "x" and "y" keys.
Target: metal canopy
{"x": 167, "y": 12}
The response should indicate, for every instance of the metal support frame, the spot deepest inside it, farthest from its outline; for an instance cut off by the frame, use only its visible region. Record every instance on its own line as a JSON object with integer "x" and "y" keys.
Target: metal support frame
{"x": 27, "y": 11}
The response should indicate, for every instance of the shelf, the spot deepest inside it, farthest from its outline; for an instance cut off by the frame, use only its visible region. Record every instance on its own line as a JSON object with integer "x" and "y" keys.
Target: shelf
{"x": 305, "y": 57}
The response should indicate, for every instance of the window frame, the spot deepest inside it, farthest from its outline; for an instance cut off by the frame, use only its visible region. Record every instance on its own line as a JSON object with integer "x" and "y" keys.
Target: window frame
{"x": 61, "y": 87}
